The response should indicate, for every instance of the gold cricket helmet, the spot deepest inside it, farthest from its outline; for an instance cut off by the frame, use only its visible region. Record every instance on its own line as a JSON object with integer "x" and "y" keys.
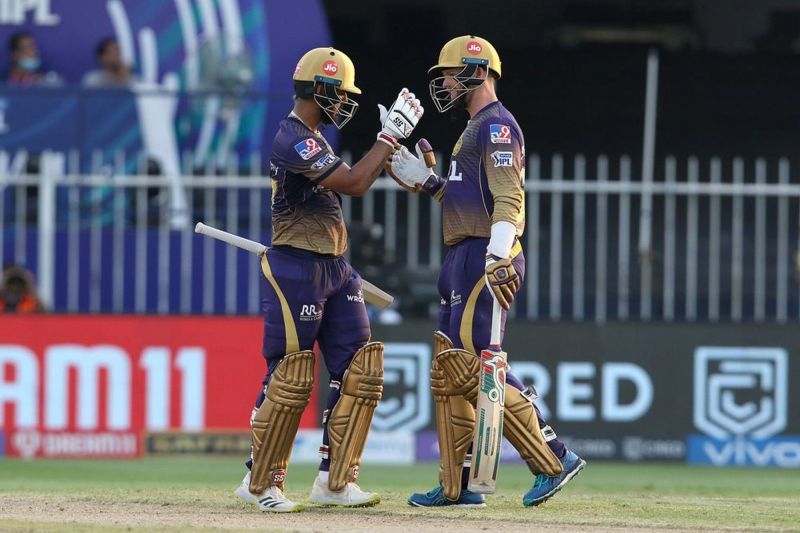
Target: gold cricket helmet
{"x": 332, "y": 70}
{"x": 467, "y": 52}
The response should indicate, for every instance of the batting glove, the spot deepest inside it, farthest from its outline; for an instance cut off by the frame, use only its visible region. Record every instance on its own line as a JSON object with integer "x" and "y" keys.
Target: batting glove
{"x": 400, "y": 119}
{"x": 501, "y": 279}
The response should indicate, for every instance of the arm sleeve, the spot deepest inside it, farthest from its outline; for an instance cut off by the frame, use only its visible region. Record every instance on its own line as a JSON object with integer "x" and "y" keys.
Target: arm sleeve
{"x": 503, "y": 160}
{"x": 312, "y": 158}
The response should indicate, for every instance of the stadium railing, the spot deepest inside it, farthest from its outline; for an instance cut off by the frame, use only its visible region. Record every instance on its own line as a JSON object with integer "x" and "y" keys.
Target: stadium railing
{"x": 721, "y": 243}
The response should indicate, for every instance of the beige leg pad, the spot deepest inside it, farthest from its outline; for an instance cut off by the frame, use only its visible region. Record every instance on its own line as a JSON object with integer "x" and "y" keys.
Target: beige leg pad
{"x": 276, "y": 421}
{"x": 349, "y": 421}
{"x": 452, "y": 373}
{"x": 520, "y": 423}
{"x": 521, "y": 428}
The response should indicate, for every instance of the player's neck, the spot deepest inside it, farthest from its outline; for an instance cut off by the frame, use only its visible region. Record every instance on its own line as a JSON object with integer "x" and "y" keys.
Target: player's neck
{"x": 308, "y": 114}
{"x": 479, "y": 100}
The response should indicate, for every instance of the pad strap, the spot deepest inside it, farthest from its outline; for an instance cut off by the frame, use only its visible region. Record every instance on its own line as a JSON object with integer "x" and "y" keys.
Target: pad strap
{"x": 276, "y": 421}
{"x": 521, "y": 428}
{"x": 348, "y": 425}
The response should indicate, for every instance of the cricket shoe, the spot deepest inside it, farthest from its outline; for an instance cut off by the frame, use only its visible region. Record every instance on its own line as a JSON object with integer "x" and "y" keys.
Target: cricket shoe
{"x": 435, "y": 498}
{"x": 271, "y": 500}
{"x": 545, "y": 487}
{"x": 350, "y": 496}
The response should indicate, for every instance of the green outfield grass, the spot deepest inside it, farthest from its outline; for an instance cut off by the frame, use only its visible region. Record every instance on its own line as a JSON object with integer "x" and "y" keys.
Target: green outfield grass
{"x": 606, "y": 496}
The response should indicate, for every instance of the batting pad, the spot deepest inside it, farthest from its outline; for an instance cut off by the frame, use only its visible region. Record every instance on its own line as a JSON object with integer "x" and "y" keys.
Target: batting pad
{"x": 348, "y": 425}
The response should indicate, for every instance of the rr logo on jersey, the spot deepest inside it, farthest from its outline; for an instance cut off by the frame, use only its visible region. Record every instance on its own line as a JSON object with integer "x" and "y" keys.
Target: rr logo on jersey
{"x": 330, "y": 67}
{"x": 474, "y": 47}
{"x": 499, "y": 134}
{"x": 307, "y": 149}
{"x": 310, "y": 313}
{"x": 501, "y": 159}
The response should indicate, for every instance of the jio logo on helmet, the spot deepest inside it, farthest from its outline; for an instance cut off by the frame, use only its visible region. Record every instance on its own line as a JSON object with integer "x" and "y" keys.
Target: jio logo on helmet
{"x": 330, "y": 67}
{"x": 474, "y": 47}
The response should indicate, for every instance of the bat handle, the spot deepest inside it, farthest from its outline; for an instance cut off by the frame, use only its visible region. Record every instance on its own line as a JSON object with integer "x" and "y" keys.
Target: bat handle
{"x": 427, "y": 153}
{"x": 497, "y": 315}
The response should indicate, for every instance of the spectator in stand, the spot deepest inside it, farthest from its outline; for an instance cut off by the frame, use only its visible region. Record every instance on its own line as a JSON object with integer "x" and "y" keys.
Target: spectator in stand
{"x": 26, "y": 65}
{"x": 18, "y": 291}
{"x": 113, "y": 71}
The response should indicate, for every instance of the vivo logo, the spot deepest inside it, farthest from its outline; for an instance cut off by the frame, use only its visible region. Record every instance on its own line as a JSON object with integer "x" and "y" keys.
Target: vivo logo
{"x": 742, "y": 451}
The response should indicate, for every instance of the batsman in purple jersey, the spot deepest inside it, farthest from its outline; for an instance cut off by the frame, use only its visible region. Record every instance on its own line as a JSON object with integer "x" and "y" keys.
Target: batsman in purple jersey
{"x": 483, "y": 217}
{"x": 311, "y": 294}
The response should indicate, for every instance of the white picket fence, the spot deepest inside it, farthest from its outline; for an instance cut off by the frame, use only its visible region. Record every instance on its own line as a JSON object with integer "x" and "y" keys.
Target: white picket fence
{"x": 712, "y": 240}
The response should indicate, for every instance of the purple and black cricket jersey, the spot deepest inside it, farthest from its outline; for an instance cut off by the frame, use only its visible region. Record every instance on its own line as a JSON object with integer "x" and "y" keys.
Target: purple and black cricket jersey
{"x": 311, "y": 293}
{"x": 485, "y": 185}
{"x": 305, "y": 214}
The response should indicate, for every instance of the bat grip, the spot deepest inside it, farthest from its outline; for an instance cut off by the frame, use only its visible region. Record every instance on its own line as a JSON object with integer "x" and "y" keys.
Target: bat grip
{"x": 427, "y": 153}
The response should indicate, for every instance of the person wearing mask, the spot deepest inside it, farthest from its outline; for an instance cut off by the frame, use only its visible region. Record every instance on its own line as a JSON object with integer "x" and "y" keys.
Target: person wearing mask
{"x": 26, "y": 64}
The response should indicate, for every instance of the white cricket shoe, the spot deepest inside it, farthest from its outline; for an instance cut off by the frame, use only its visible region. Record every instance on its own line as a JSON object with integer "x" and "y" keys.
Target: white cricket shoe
{"x": 271, "y": 500}
{"x": 350, "y": 496}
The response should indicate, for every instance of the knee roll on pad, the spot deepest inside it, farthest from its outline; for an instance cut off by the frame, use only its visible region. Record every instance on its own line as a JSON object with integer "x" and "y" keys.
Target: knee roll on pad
{"x": 350, "y": 418}
{"x": 276, "y": 421}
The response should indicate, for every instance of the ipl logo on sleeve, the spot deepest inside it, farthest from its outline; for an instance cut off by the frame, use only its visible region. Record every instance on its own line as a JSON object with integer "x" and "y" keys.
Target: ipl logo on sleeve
{"x": 740, "y": 404}
{"x": 406, "y": 402}
{"x": 502, "y": 159}
{"x": 307, "y": 148}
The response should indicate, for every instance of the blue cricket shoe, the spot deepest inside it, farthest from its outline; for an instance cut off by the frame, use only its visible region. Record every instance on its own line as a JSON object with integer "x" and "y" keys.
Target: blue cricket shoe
{"x": 435, "y": 498}
{"x": 545, "y": 487}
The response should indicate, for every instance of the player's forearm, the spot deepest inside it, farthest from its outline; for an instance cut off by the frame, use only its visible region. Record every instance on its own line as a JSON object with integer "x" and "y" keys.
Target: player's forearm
{"x": 364, "y": 173}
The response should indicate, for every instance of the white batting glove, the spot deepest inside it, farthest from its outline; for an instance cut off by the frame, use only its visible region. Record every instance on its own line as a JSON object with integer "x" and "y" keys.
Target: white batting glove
{"x": 411, "y": 170}
{"x": 400, "y": 119}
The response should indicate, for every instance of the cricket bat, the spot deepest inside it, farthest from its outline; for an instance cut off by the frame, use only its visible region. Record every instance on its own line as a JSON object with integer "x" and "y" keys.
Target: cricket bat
{"x": 372, "y": 294}
{"x": 488, "y": 435}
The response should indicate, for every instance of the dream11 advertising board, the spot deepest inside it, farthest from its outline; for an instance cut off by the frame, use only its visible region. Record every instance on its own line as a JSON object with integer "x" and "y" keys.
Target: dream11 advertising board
{"x": 80, "y": 386}
{"x": 99, "y": 386}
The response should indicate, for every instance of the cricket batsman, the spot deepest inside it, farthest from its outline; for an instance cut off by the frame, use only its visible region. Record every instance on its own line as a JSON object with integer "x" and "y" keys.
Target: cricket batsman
{"x": 484, "y": 215}
{"x": 312, "y": 294}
